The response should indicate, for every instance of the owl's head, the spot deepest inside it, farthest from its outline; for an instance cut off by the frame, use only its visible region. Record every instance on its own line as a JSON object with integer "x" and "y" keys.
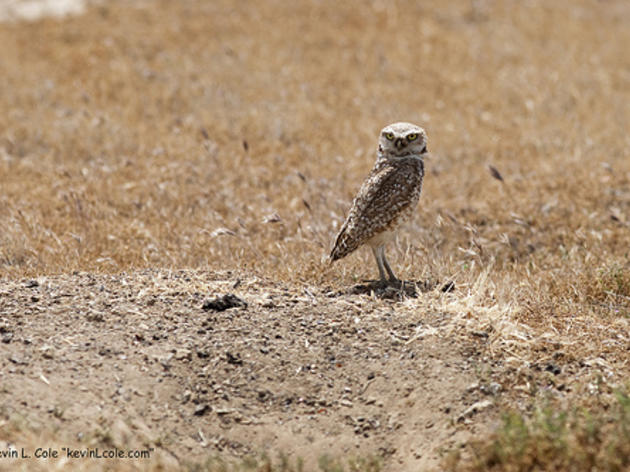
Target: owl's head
{"x": 402, "y": 139}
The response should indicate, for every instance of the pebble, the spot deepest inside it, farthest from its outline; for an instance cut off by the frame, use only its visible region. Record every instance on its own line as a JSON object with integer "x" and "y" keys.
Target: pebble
{"x": 474, "y": 409}
{"x": 47, "y": 351}
{"x": 181, "y": 354}
{"x": 202, "y": 409}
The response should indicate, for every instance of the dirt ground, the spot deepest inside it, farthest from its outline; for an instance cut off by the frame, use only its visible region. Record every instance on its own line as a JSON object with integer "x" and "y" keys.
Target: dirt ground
{"x": 136, "y": 361}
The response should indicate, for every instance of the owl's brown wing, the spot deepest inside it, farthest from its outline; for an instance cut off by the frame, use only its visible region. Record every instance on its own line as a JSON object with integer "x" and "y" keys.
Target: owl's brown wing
{"x": 385, "y": 194}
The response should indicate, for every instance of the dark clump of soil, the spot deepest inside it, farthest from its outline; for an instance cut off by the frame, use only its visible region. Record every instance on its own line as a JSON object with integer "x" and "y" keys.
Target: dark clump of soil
{"x": 223, "y": 303}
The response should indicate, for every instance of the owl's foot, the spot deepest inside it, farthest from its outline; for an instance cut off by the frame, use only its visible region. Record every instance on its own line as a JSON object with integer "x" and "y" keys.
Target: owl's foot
{"x": 395, "y": 282}
{"x": 387, "y": 288}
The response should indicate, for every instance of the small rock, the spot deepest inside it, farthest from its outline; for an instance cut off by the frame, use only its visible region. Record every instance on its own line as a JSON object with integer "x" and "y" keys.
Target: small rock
{"x": 32, "y": 283}
{"x": 553, "y": 368}
{"x": 493, "y": 388}
{"x": 474, "y": 409}
{"x": 17, "y": 360}
{"x": 232, "y": 359}
{"x": 267, "y": 301}
{"x": 202, "y": 409}
{"x": 393, "y": 422}
{"x": 223, "y": 303}
{"x": 165, "y": 361}
{"x": 48, "y": 352}
{"x": 181, "y": 354}
{"x": 96, "y": 317}
{"x": 472, "y": 387}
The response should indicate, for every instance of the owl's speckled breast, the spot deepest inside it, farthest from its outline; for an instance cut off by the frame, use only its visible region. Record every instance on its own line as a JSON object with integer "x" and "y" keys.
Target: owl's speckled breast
{"x": 411, "y": 171}
{"x": 388, "y": 233}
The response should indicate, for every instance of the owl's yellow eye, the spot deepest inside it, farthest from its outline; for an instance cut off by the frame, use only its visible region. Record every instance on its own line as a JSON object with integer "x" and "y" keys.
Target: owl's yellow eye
{"x": 389, "y": 136}
{"x": 412, "y": 137}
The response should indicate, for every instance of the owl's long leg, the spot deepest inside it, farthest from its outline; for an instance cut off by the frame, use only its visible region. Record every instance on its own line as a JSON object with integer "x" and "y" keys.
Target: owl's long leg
{"x": 390, "y": 272}
{"x": 378, "y": 255}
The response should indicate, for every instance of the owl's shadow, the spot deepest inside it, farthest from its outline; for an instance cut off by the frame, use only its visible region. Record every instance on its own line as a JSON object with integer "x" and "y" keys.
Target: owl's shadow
{"x": 400, "y": 289}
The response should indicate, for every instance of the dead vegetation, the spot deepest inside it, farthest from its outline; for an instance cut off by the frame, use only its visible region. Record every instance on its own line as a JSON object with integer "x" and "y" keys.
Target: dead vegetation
{"x": 576, "y": 439}
{"x": 212, "y": 136}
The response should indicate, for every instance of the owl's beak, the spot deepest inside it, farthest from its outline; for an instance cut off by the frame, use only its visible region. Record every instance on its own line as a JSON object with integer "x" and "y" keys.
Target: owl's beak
{"x": 424, "y": 150}
{"x": 399, "y": 143}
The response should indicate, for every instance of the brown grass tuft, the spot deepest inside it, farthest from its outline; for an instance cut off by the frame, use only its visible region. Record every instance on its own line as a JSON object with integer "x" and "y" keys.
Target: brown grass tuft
{"x": 552, "y": 439}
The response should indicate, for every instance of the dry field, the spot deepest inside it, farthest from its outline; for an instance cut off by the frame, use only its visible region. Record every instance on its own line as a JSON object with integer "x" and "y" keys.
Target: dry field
{"x": 155, "y": 153}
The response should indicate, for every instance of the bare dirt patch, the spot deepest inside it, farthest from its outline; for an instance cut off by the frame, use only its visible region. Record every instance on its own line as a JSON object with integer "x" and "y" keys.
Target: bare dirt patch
{"x": 305, "y": 371}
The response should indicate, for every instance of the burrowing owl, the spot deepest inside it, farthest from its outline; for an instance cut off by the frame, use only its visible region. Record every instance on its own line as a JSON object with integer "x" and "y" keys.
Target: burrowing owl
{"x": 388, "y": 196}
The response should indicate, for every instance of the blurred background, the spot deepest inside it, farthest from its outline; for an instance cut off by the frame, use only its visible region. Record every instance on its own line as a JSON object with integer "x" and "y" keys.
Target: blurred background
{"x": 233, "y": 135}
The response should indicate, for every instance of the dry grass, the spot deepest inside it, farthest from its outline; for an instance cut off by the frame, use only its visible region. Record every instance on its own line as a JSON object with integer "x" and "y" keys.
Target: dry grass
{"x": 198, "y": 134}
{"x": 124, "y": 131}
{"x": 551, "y": 439}
{"x": 233, "y": 136}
